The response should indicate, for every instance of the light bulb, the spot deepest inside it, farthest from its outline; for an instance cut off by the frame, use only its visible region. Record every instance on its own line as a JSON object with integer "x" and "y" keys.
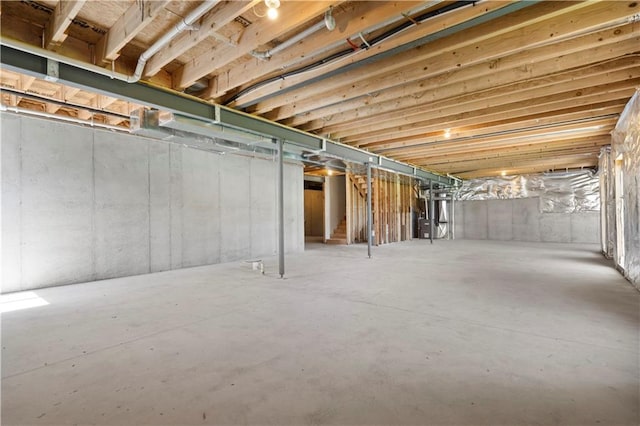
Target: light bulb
{"x": 447, "y": 133}
{"x": 272, "y": 13}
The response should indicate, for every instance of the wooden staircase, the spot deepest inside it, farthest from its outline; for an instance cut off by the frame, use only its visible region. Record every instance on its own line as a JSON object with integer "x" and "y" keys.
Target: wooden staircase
{"x": 339, "y": 235}
{"x": 359, "y": 218}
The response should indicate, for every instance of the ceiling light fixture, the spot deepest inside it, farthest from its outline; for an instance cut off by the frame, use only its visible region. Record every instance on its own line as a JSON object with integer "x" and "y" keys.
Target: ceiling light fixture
{"x": 272, "y": 8}
{"x": 447, "y": 133}
{"x": 329, "y": 20}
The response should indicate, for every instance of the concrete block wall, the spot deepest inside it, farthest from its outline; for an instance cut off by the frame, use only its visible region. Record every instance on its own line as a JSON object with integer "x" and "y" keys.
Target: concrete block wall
{"x": 521, "y": 220}
{"x": 80, "y": 204}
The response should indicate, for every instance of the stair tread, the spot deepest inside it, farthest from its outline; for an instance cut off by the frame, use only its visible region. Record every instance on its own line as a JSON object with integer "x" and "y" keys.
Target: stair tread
{"x": 336, "y": 241}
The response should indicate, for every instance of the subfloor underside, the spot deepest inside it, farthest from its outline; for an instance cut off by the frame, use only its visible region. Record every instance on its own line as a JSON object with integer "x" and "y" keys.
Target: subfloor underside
{"x": 459, "y": 332}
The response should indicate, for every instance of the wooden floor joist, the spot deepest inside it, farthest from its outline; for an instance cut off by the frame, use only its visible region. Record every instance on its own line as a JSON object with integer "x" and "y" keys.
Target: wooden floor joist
{"x": 448, "y": 86}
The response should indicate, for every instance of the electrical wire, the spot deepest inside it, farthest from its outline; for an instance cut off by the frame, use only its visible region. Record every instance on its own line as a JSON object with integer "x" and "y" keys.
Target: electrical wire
{"x": 350, "y": 51}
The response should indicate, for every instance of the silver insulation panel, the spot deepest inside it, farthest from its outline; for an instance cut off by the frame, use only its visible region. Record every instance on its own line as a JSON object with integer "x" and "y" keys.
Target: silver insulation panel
{"x": 563, "y": 192}
{"x": 607, "y": 197}
{"x": 624, "y": 161}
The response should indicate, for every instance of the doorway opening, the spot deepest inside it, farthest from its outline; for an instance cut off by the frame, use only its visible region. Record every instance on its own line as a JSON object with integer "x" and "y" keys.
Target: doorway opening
{"x": 325, "y": 205}
{"x": 313, "y": 210}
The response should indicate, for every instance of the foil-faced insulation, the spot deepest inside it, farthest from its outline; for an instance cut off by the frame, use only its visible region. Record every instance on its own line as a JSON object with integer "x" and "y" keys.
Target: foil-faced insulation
{"x": 607, "y": 200}
{"x": 624, "y": 173}
{"x": 560, "y": 192}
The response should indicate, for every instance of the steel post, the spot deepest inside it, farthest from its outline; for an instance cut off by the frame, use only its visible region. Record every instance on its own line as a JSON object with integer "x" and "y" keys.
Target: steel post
{"x": 280, "y": 206}
{"x": 369, "y": 212}
{"x": 432, "y": 209}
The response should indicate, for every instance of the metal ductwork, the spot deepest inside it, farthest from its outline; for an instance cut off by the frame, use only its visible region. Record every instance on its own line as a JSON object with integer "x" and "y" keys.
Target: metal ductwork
{"x": 197, "y": 117}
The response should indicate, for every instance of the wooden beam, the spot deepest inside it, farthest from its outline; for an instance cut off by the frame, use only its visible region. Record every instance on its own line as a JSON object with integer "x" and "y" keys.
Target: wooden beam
{"x": 115, "y": 121}
{"x": 514, "y": 162}
{"x": 52, "y": 108}
{"x": 506, "y": 163}
{"x": 617, "y": 90}
{"x": 440, "y": 162}
{"x": 501, "y": 100}
{"x": 353, "y": 17}
{"x": 522, "y": 67}
{"x": 13, "y": 100}
{"x": 69, "y": 93}
{"x": 135, "y": 19}
{"x": 419, "y": 154}
{"x": 560, "y": 133}
{"x": 500, "y": 110}
{"x": 527, "y": 146}
{"x": 510, "y": 34}
{"x": 536, "y": 166}
{"x": 520, "y": 152}
{"x": 60, "y": 20}
{"x": 503, "y": 113}
{"x": 531, "y": 123}
{"x": 262, "y": 32}
{"x": 209, "y": 24}
{"x": 433, "y": 25}
{"x": 84, "y": 114}
{"x": 26, "y": 81}
{"x": 104, "y": 101}
{"x": 488, "y": 126}
{"x": 28, "y": 32}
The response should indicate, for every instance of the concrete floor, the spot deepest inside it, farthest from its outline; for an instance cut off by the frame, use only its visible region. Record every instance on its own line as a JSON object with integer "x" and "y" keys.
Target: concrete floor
{"x": 461, "y": 332}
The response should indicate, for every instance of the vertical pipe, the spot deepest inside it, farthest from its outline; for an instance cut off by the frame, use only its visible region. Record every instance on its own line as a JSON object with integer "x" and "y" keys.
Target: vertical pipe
{"x": 369, "y": 213}
{"x": 432, "y": 221}
{"x": 280, "y": 206}
{"x": 452, "y": 223}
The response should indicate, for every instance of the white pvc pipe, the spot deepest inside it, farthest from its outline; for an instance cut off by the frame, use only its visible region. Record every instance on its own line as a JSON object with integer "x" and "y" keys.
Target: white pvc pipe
{"x": 144, "y": 57}
{"x": 165, "y": 39}
{"x": 318, "y": 26}
{"x": 287, "y": 43}
{"x": 380, "y": 25}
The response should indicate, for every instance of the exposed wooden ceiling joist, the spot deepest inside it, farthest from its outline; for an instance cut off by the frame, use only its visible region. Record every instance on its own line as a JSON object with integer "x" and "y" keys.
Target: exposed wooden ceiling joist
{"x": 209, "y": 24}
{"x": 135, "y": 19}
{"x": 437, "y": 23}
{"x": 535, "y": 166}
{"x": 258, "y": 34}
{"x": 479, "y": 44}
{"x": 493, "y": 104}
{"x": 513, "y": 87}
{"x": 63, "y": 14}
{"x": 558, "y": 133}
{"x": 520, "y": 151}
{"x": 354, "y": 18}
{"x": 526, "y": 70}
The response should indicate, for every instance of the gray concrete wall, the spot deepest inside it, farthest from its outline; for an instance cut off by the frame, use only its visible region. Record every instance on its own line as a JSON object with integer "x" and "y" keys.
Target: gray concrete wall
{"x": 521, "y": 220}
{"x": 80, "y": 204}
{"x": 335, "y": 199}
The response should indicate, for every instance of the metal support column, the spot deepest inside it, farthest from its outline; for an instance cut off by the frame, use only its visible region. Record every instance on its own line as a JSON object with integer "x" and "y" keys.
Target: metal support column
{"x": 452, "y": 222}
{"x": 432, "y": 209}
{"x": 369, "y": 212}
{"x": 280, "y": 206}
